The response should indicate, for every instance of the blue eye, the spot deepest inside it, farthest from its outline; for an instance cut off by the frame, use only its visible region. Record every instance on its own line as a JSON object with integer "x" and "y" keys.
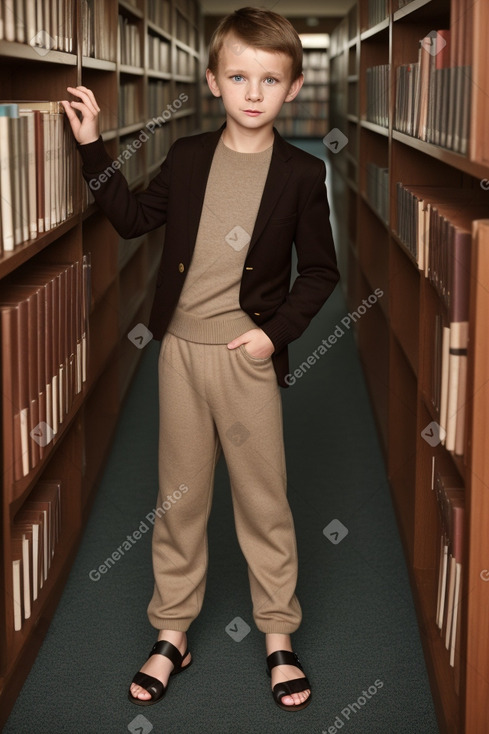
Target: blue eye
{"x": 271, "y": 79}
{"x": 236, "y": 76}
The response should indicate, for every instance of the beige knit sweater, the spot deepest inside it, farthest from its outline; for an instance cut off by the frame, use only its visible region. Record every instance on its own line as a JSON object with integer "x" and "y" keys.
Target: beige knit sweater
{"x": 208, "y": 310}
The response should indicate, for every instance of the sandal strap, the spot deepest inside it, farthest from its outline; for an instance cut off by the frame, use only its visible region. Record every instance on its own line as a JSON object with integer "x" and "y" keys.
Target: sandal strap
{"x": 150, "y": 684}
{"x": 165, "y": 648}
{"x": 283, "y": 657}
{"x": 288, "y": 687}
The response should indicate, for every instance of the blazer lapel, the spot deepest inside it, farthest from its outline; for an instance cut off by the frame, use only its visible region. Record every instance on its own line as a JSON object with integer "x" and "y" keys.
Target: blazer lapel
{"x": 278, "y": 175}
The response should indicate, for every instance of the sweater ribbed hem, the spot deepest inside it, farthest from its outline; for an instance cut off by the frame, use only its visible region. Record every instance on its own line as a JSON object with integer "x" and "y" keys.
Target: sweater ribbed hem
{"x": 214, "y": 330}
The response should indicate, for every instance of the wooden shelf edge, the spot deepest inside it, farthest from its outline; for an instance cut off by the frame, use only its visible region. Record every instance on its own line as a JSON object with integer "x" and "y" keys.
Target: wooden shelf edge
{"x": 14, "y": 50}
{"x": 375, "y": 30}
{"x": 10, "y": 261}
{"x": 456, "y": 160}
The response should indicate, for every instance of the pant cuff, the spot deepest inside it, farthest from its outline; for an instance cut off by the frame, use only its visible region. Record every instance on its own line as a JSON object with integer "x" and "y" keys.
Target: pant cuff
{"x": 179, "y": 625}
{"x": 280, "y": 628}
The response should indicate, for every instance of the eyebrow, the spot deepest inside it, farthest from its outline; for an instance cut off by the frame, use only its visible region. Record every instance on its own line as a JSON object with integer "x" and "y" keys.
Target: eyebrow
{"x": 266, "y": 72}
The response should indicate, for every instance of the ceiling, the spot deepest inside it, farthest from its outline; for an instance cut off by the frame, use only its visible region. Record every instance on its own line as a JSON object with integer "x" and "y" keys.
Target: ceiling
{"x": 289, "y": 8}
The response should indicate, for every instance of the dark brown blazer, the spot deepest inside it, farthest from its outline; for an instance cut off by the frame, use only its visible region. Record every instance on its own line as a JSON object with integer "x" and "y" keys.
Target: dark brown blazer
{"x": 293, "y": 210}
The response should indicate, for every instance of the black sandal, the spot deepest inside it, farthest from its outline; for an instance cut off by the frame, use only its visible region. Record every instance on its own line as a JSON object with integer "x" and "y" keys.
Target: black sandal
{"x": 154, "y": 686}
{"x": 288, "y": 687}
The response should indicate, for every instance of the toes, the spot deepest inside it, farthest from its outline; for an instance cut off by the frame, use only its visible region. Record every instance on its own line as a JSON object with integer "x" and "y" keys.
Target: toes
{"x": 296, "y": 698}
{"x": 138, "y": 692}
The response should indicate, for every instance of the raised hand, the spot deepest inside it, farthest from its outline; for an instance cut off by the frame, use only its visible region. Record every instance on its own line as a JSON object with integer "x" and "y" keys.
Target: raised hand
{"x": 85, "y": 130}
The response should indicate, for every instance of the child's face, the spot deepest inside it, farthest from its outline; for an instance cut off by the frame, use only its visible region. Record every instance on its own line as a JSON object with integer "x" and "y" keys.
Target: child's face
{"x": 253, "y": 83}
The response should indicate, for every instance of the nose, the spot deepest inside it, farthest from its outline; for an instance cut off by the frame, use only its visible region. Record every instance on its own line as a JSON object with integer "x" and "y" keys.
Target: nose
{"x": 253, "y": 92}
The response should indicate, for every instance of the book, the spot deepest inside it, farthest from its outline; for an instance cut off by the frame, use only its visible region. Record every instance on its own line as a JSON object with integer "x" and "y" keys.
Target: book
{"x": 433, "y": 91}
{"x": 44, "y": 317}
{"x": 36, "y": 163}
{"x": 434, "y": 224}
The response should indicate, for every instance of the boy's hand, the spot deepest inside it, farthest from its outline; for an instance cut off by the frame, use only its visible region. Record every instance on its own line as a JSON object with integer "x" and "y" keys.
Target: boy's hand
{"x": 258, "y": 344}
{"x": 86, "y": 129}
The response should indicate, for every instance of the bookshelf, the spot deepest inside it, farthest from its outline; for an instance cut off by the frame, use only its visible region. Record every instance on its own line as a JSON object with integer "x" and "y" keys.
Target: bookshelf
{"x": 375, "y": 56}
{"x": 142, "y": 59}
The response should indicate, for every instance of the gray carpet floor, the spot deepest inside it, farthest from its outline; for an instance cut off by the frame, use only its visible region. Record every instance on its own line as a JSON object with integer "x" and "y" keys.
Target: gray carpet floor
{"x": 359, "y": 639}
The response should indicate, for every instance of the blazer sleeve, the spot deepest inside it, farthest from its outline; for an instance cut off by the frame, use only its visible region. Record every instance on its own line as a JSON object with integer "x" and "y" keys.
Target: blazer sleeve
{"x": 131, "y": 214}
{"x": 316, "y": 266}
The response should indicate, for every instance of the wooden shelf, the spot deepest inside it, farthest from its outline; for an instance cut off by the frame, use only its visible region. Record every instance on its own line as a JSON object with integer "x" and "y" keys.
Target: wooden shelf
{"x": 122, "y": 285}
{"x": 396, "y": 338}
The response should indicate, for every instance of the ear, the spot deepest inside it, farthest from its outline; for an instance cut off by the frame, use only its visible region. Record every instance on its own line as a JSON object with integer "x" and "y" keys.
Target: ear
{"x": 212, "y": 83}
{"x": 294, "y": 88}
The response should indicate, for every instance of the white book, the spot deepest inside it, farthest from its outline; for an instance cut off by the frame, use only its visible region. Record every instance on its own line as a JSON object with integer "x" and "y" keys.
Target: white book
{"x": 26, "y": 577}
{"x": 6, "y": 188}
{"x": 31, "y": 171}
{"x": 19, "y": 19}
{"x": 47, "y": 170}
{"x": 456, "y": 604}
{"x": 35, "y": 561}
{"x": 445, "y": 359}
{"x": 458, "y": 341}
{"x": 23, "y": 175}
{"x": 30, "y": 20}
{"x": 444, "y": 566}
{"x": 17, "y": 597}
{"x": 15, "y": 162}
{"x": 450, "y": 591}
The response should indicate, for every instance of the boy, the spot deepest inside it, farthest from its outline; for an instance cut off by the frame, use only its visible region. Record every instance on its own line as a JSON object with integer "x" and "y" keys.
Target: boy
{"x": 234, "y": 201}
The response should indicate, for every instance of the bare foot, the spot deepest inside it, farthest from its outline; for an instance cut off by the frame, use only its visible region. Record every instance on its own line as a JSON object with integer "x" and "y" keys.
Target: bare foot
{"x": 160, "y": 666}
{"x": 285, "y": 672}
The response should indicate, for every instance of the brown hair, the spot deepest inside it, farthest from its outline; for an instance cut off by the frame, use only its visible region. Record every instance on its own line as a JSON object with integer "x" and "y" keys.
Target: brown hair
{"x": 259, "y": 28}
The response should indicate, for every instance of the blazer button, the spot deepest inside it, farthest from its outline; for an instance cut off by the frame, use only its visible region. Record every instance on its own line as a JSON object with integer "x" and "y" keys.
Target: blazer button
{"x": 181, "y": 267}
{"x": 257, "y": 313}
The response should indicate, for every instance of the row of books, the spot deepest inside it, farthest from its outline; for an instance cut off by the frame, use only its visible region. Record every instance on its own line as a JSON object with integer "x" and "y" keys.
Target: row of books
{"x": 377, "y": 190}
{"x": 129, "y": 42}
{"x": 377, "y": 89}
{"x": 44, "y": 330}
{"x": 433, "y": 93}
{"x": 376, "y": 12}
{"x": 185, "y": 63}
{"x": 315, "y": 60}
{"x": 43, "y": 25}
{"x": 316, "y": 76}
{"x": 36, "y": 170}
{"x": 159, "y": 13}
{"x": 159, "y": 96}
{"x": 129, "y": 103}
{"x": 185, "y": 31}
{"x": 95, "y": 23}
{"x": 435, "y": 225}
{"x": 35, "y": 533}
{"x": 158, "y": 145}
{"x": 450, "y": 496}
{"x": 190, "y": 8}
{"x": 159, "y": 54}
{"x": 133, "y": 164}
{"x": 313, "y": 94}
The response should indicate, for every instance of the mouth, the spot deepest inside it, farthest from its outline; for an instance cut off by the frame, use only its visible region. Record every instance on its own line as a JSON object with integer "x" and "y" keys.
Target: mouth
{"x": 254, "y": 113}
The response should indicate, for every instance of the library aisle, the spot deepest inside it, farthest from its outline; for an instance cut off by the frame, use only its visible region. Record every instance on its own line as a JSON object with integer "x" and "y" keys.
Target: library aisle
{"x": 386, "y": 416}
{"x": 359, "y": 638}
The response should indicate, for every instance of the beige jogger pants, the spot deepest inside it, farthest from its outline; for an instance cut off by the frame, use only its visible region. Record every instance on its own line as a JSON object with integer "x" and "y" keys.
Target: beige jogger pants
{"x": 212, "y": 398}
